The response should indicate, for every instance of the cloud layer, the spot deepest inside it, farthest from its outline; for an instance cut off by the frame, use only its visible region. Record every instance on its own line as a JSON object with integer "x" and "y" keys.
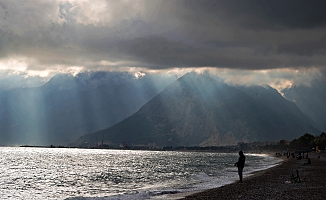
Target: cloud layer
{"x": 64, "y": 35}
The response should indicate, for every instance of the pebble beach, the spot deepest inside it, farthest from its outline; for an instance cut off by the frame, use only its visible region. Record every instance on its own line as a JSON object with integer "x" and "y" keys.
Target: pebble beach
{"x": 276, "y": 182}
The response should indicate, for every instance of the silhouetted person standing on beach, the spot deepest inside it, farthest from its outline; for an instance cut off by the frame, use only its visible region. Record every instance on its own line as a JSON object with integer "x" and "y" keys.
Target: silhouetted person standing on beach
{"x": 240, "y": 164}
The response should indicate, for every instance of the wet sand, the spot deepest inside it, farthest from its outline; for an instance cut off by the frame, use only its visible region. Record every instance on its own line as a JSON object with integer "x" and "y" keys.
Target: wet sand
{"x": 276, "y": 183}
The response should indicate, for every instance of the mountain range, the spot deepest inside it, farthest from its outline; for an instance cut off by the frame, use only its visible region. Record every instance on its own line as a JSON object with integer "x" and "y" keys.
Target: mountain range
{"x": 138, "y": 108}
{"x": 69, "y": 106}
{"x": 199, "y": 110}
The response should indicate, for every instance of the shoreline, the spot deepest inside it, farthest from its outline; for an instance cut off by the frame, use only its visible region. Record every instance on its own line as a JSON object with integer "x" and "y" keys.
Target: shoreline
{"x": 183, "y": 195}
{"x": 274, "y": 182}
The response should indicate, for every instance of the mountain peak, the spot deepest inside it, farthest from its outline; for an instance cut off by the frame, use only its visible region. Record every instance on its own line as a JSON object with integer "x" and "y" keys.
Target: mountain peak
{"x": 197, "y": 109}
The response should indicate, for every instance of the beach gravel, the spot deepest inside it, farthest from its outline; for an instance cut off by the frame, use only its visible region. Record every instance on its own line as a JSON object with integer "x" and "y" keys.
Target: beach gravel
{"x": 276, "y": 182}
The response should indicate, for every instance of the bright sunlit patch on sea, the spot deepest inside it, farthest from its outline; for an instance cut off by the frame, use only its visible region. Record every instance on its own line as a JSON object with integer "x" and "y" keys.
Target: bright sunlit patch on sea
{"x": 47, "y": 173}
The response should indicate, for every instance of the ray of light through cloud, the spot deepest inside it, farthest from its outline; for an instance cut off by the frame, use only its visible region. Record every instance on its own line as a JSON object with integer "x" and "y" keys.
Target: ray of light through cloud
{"x": 277, "y": 43}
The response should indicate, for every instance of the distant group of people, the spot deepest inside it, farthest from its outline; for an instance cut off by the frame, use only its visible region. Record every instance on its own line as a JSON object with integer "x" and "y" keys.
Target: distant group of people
{"x": 299, "y": 156}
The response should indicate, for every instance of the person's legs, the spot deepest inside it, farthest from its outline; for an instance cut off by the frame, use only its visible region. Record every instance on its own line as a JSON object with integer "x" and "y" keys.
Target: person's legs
{"x": 240, "y": 173}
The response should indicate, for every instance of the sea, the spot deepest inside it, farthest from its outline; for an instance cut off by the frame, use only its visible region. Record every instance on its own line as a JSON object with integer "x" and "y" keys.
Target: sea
{"x": 74, "y": 174}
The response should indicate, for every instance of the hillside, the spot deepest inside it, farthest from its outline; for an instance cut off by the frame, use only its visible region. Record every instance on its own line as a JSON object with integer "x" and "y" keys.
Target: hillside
{"x": 200, "y": 110}
{"x": 311, "y": 100}
{"x": 68, "y": 106}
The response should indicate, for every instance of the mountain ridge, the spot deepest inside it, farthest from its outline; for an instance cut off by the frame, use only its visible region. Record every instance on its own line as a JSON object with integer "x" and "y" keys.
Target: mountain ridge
{"x": 69, "y": 106}
{"x": 199, "y": 110}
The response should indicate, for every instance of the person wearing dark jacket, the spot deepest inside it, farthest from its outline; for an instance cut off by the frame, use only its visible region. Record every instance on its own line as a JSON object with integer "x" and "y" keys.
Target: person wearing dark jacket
{"x": 240, "y": 164}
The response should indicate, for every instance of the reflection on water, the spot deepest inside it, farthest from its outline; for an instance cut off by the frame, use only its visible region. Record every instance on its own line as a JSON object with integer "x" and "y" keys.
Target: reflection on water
{"x": 47, "y": 173}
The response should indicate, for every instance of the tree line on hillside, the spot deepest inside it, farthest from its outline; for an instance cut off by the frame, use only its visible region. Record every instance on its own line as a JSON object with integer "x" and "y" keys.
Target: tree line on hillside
{"x": 306, "y": 142}
{"x": 309, "y": 141}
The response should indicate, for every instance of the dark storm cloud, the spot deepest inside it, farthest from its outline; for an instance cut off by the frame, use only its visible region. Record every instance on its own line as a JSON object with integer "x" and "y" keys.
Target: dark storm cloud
{"x": 158, "y": 53}
{"x": 269, "y": 14}
{"x": 232, "y": 34}
{"x": 304, "y": 48}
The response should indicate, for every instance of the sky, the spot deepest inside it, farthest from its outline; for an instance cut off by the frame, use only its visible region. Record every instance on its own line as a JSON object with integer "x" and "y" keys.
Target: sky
{"x": 273, "y": 42}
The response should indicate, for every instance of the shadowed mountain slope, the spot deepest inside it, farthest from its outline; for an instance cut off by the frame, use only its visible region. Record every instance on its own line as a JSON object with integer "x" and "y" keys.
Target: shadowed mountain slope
{"x": 68, "y": 106}
{"x": 200, "y": 110}
{"x": 311, "y": 100}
